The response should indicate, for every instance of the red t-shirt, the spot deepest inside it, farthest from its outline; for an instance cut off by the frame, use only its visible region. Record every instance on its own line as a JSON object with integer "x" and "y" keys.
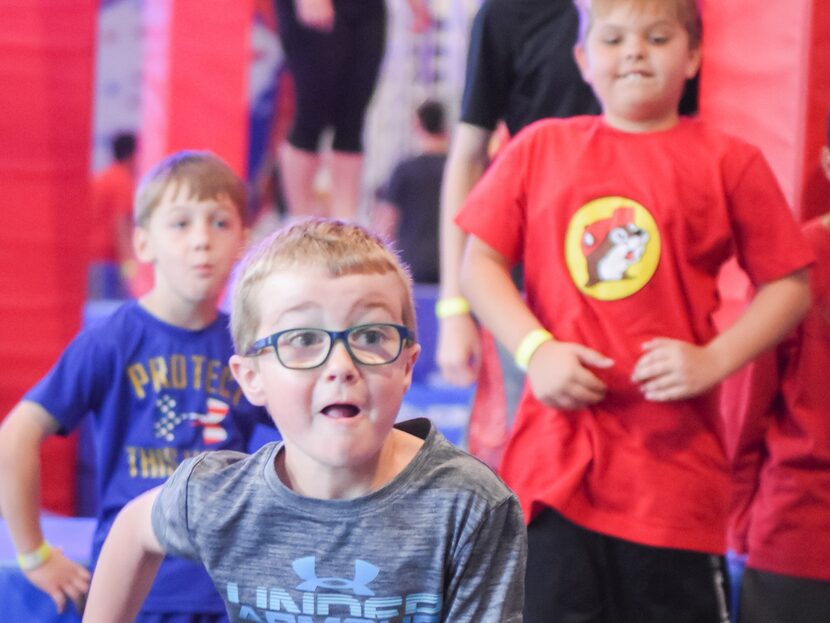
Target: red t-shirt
{"x": 112, "y": 194}
{"x": 622, "y": 236}
{"x": 789, "y": 519}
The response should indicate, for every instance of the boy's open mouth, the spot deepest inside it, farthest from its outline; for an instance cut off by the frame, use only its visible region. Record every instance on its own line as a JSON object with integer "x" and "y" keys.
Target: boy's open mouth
{"x": 340, "y": 411}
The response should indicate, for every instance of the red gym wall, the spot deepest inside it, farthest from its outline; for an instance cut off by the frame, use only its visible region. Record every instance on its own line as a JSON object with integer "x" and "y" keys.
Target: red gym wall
{"x": 766, "y": 77}
{"x": 46, "y": 69}
{"x": 194, "y": 96}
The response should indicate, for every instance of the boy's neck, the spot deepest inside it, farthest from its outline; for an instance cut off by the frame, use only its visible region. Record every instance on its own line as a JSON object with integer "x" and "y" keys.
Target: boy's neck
{"x": 346, "y": 483}
{"x": 642, "y": 126}
{"x": 180, "y": 314}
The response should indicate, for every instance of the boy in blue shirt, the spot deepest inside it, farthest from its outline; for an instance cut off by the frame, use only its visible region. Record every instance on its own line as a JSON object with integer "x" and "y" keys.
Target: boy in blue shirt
{"x": 155, "y": 377}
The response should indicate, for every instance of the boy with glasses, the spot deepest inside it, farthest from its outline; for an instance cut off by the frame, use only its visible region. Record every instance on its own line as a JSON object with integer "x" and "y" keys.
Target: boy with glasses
{"x": 351, "y": 517}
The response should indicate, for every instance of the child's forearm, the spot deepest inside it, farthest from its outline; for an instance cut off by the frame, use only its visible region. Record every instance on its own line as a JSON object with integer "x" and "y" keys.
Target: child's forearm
{"x": 466, "y": 162}
{"x": 127, "y": 565}
{"x": 775, "y": 310}
{"x": 493, "y": 295}
{"x": 21, "y": 435}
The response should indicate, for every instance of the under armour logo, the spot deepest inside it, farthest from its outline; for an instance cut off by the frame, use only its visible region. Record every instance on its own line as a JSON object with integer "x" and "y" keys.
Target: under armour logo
{"x": 167, "y": 419}
{"x": 364, "y": 573}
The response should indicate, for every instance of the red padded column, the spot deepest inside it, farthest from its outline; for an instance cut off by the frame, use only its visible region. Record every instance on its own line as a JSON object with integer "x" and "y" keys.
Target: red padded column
{"x": 195, "y": 78}
{"x": 813, "y": 190}
{"x": 766, "y": 77}
{"x": 194, "y": 84}
{"x": 46, "y": 69}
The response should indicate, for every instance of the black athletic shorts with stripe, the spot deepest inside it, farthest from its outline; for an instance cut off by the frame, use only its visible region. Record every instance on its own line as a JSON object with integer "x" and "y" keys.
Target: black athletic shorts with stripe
{"x": 576, "y": 575}
{"x": 774, "y": 598}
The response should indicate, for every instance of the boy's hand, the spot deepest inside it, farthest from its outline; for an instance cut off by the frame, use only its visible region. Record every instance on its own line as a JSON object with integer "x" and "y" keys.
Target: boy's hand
{"x": 61, "y": 578}
{"x": 675, "y": 370}
{"x": 316, "y": 14}
{"x": 559, "y": 377}
{"x": 459, "y": 349}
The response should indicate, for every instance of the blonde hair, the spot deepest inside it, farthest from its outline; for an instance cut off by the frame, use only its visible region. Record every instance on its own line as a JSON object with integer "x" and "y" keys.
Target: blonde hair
{"x": 337, "y": 247}
{"x": 206, "y": 175}
{"x": 687, "y": 11}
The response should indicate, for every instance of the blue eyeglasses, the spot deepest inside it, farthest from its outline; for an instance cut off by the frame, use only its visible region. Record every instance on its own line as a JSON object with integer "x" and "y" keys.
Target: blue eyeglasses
{"x": 367, "y": 344}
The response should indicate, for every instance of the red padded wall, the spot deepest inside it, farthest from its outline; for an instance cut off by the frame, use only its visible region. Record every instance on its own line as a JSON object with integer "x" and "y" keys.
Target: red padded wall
{"x": 813, "y": 190}
{"x": 46, "y": 69}
{"x": 766, "y": 77}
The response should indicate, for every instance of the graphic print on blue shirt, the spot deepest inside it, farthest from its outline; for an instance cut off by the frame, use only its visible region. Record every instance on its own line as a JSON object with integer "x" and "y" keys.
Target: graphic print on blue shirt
{"x": 168, "y": 418}
{"x": 341, "y": 600}
{"x": 189, "y": 398}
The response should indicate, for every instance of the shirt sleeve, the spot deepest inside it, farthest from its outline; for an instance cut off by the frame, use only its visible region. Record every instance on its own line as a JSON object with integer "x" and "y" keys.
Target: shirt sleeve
{"x": 487, "y": 578}
{"x": 769, "y": 242}
{"x": 488, "y": 73}
{"x": 169, "y": 513}
{"x": 392, "y": 190}
{"x": 78, "y": 381}
{"x": 494, "y": 211}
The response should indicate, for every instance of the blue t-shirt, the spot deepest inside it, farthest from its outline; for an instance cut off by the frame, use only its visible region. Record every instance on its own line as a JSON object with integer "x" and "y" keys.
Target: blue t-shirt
{"x": 158, "y": 394}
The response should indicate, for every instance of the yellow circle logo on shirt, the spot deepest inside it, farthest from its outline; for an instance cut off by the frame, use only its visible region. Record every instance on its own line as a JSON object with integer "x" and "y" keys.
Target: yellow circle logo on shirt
{"x": 612, "y": 248}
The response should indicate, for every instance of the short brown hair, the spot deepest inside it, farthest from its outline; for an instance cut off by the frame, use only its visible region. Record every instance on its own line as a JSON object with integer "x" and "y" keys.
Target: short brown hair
{"x": 688, "y": 14}
{"x": 207, "y": 176}
{"x": 337, "y": 247}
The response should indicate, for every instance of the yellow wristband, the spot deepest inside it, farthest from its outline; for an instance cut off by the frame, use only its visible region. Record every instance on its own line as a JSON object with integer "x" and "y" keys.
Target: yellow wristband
{"x": 529, "y": 344}
{"x": 452, "y": 306}
{"x": 32, "y": 560}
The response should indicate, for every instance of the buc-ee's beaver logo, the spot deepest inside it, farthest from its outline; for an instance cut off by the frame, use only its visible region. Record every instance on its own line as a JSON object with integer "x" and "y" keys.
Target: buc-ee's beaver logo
{"x": 612, "y": 248}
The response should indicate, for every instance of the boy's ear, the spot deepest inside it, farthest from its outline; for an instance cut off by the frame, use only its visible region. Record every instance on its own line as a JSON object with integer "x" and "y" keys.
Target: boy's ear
{"x": 411, "y": 356}
{"x": 693, "y": 66}
{"x": 141, "y": 244}
{"x": 581, "y": 58}
{"x": 825, "y": 161}
{"x": 246, "y": 372}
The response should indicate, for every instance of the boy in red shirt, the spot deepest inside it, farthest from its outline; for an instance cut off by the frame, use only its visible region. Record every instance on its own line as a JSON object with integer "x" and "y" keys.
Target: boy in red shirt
{"x": 784, "y": 532}
{"x": 622, "y": 222}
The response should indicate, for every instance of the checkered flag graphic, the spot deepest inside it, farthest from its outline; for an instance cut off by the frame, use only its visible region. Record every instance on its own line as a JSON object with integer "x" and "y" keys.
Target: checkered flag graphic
{"x": 166, "y": 417}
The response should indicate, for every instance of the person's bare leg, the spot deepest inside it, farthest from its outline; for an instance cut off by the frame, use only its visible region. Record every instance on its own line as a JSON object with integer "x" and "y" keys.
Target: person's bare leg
{"x": 346, "y": 172}
{"x": 299, "y": 167}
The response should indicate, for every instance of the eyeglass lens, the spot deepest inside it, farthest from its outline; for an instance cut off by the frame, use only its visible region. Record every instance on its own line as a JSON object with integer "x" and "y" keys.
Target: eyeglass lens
{"x": 369, "y": 345}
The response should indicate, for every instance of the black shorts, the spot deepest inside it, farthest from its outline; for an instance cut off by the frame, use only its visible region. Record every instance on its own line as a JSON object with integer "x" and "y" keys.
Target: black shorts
{"x": 773, "y": 598}
{"x": 334, "y": 72}
{"x": 576, "y": 575}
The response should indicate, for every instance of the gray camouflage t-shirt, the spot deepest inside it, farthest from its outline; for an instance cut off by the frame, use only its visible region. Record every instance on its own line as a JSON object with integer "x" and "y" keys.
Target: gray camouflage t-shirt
{"x": 444, "y": 541}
